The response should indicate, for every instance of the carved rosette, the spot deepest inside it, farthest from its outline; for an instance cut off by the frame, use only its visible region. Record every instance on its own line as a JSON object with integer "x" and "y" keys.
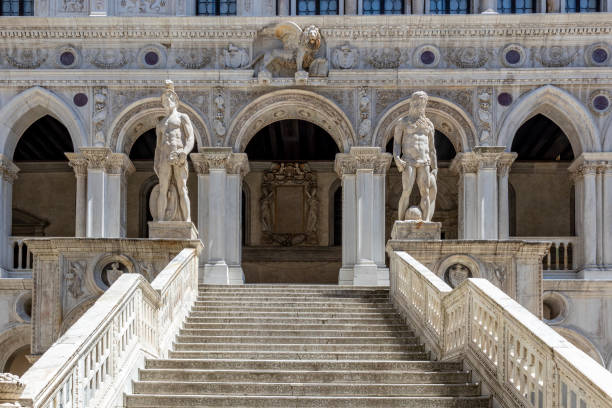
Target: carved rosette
{"x": 9, "y": 169}
{"x": 363, "y": 158}
{"x": 220, "y": 158}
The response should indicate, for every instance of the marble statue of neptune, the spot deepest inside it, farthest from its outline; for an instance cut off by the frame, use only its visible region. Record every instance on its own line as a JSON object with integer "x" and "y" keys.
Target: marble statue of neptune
{"x": 414, "y": 152}
{"x": 174, "y": 142}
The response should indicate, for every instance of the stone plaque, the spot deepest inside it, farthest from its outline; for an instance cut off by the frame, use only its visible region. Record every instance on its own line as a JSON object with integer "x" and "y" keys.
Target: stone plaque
{"x": 289, "y": 208}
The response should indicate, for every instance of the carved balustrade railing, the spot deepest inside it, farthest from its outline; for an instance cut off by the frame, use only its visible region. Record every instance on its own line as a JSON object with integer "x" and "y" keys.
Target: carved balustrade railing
{"x": 523, "y": 362}
{"x": 561, "y": 255}
{"x": 95, "y": 361}
{"x": 21, "y": 257}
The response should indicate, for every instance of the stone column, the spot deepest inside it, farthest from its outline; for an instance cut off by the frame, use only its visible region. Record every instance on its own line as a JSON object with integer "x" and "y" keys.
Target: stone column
{"x": 283, "y": 7}
{"x": 96, "y": 189}
{"x": 418, "y": 6}
{"x": 350, "y": 7}
{"x": 592, "y": 174}
{"x": 488, "y": 6}
{"x": 363, "y": 173}
{"x": 479, "y": 191}
{"x": 220, "y": 174}
{"x": 118, "y": 168}
{"x": 503, "y": 212}
{"x": 79, "y": 164}
{"x": 8, "y": 171}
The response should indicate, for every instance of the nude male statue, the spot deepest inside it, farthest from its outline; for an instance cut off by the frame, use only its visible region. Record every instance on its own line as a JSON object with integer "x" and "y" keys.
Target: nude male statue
{"x": 174, "y": 142}
{"x": 414, "y": 152}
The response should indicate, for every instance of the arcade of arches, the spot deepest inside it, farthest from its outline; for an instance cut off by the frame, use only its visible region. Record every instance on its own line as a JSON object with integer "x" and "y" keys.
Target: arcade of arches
{"x": 292, "y": 196}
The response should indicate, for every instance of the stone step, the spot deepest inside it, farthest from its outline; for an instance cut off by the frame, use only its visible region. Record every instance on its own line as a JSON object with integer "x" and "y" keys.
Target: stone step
{"x": 294, "y": 321}
{"x": 291, "y": 286}
{"x": 294, "y": 314}
{"x": 293, "y": 293}
{"x": 387, "y": 377}
{"x": 298, "y": 340}
{"x": 201, "y": 401}
{"x": 295, "y": 326}
{"x": 301, "y": 333}
{"x": 284, "y": 348}
{"x": 301, "y": 365}
{"x": 300, "y": 389}
{"x": 348, "y": 303}
{"x": 304, "y": 355}
{"x": 361, "y": 308}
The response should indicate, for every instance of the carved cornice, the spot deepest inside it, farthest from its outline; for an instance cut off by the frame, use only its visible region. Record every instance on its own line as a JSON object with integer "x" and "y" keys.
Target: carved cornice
{"x": 96, "y": 157}
{"x": 78, "y": 163}
{"x": 220, "y": 158}
{"x": 8, "y": 168}
{"x": 363, "y": 158}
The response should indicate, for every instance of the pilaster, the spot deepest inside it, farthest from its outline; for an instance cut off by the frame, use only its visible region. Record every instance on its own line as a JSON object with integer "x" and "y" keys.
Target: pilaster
{"x": 8, "y": 172}
{"x": 220, "y": 173}
{"x": 592, "y": 174}
{"x": 363, "y": 171}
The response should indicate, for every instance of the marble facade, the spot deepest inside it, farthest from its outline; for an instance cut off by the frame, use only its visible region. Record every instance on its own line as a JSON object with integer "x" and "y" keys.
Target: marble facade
{"x": 479, "y": 99}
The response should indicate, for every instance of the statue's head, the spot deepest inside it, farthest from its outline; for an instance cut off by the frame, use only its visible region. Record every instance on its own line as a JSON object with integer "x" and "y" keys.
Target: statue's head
{"x": 418, "y": 101}
{"x": 169, "y": 98}
{"x": 311, "y": 37}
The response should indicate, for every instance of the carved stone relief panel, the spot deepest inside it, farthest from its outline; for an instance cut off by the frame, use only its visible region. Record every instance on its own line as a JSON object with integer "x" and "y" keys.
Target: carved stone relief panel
{"x": 289, "y": 205}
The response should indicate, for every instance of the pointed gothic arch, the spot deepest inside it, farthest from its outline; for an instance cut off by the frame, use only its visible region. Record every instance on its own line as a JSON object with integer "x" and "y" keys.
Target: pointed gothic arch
{"x": 290, "y": 104}
{"x": 27, "y": 107}
{"x": 446, "y": 116}
{"x": 559, "y": 106}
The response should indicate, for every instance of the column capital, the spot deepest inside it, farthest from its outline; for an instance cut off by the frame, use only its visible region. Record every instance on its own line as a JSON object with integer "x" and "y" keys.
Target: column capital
{"x": 96, "y": 156}
{"x": 464, "y": 163}
{"x": 220, "y": 158}
{"x": 591, "y": 163}
{"x": 119, "y": 163}
{"x": 78, "y": 163}
{"x": 8, "y": 169}
{"x": 363, "y": 158}
{"x": 483, "y": 157}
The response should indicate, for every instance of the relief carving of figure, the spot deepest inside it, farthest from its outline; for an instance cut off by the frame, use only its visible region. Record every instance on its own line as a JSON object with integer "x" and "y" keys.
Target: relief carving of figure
{"x": 175, "y": 140}
{"x": 298, "y": 52}
{"x": 414, "y": 152}
{"x": 73, "y": 279}
{"x": 313, "y": 210}
{"x": 266, "y": 209}
{"x": 113, "y": 273}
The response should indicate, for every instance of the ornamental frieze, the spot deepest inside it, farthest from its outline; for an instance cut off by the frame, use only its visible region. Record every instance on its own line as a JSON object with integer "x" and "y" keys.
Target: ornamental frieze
{"x": 194, "y": 58}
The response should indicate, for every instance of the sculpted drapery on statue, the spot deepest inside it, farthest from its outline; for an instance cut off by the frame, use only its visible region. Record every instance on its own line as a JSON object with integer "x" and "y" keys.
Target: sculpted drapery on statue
{"x": 175, "y": 141}
{"x": 414, "y": 152}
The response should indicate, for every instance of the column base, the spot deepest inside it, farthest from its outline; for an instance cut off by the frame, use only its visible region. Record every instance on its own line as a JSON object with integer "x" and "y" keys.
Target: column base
{"x": 172, "y": 230}
{"x": 366, "y": 274}
{"x": 595, "y": 273}
{"x": 222, "y": 274}
{"x": 416, "y": 230}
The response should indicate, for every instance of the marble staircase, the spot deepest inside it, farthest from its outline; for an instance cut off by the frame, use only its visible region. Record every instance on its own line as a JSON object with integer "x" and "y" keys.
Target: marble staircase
{"x": 299, "y": 346}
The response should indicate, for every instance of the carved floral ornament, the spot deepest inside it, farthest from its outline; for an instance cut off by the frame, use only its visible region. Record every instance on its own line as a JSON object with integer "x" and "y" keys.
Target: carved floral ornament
{"x": 8, "y": 169}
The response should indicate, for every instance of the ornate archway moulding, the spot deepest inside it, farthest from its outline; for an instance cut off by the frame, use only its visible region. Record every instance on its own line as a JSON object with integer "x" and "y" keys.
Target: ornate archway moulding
{"x": 125, "y": 129}
{"x": 30, "y": 105}
{"x": 290, "y": 104}
{"x": 446, "y": 116}
{"x": 561, "y": 107}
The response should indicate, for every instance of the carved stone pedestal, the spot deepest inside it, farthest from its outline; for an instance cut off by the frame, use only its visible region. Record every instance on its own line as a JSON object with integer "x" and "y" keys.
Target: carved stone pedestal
{"x": 416, "y": 230}
{"x": 172, "y": 230}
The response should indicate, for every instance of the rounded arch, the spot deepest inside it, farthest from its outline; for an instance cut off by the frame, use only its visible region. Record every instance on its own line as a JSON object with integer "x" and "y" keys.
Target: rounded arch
{"x": 559, "y": 106}
{"x": 12, "y": 340}
{"x": 30, "y": 105}
{"x": 581, "y": 342}
{"x": 144, "y": 114}
{"x": 290, "y": 104}
{"x": 446, "y": 116}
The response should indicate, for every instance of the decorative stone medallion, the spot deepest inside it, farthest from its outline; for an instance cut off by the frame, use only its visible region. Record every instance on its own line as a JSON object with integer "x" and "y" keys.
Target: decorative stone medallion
{"x": 426, "y": 56}
{"x": 600, "y": 101}
{"x": 504, "y": 99}
{"x": 80, "y": 99}
{"x": 513, "y": 56}
{"x": 598, "y": 54}
{"x": 152, "y": 56}
{"x": 456, "y": 273}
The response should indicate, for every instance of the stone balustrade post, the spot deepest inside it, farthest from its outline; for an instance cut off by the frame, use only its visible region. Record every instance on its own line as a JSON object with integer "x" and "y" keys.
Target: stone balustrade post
{"x": 483, "y": 192}
{"x": 220, "y": 173}
{"x": 106, "y": 192}
{"x": 363, "y": 172}
{"x": 592, "y": 174}
{"x": 8, "y": 172}
{"x": 79, "y": 164}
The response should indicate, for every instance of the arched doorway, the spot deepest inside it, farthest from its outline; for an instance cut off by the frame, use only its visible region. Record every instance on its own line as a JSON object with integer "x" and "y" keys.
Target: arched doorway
{"x": 292, "y": 172}
{"x": 542, "y": 193}
{"x": 446, "y": 200}
{"x": 142, "y": 181}
{"x": 44, "y": 172}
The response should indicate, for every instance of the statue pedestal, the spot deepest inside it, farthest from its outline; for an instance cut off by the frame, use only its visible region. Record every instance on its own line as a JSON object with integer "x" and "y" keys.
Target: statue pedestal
{"x": 172, "y": 230}
{"x": 416, "y": 230}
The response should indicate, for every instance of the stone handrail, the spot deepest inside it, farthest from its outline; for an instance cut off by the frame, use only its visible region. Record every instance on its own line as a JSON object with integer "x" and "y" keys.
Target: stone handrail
{"x": 562, "y": 255}
{"x": 97, "y": 358}
{"x": 522, "y": 361}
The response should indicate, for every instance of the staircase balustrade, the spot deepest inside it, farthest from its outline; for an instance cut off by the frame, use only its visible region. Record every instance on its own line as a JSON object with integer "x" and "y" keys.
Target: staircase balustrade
{"x": 522, "y": 361}
{"x": 95, "y": 361}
